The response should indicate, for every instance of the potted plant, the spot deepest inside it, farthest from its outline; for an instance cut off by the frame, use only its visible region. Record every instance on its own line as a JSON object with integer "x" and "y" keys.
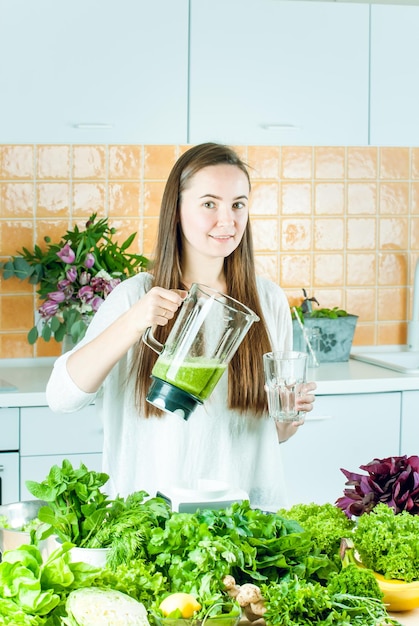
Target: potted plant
{"x": 335, "y": 327}
{"x": 74, "y": 277}
{"x": 76, "y": 509}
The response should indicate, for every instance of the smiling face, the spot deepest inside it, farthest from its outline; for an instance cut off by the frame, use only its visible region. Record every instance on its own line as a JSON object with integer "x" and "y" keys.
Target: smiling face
{"x": 214, "y": 212}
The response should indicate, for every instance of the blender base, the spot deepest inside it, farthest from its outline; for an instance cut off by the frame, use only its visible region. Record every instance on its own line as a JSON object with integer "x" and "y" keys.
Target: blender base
{"x": 171, "y": 399}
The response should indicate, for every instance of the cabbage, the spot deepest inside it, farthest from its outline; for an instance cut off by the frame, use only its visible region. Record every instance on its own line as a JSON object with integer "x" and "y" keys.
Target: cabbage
{"x": 104, "y": 607}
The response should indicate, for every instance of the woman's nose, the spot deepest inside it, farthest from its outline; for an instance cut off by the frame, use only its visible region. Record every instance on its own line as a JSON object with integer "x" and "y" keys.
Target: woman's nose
{"x": 225, "y": 217}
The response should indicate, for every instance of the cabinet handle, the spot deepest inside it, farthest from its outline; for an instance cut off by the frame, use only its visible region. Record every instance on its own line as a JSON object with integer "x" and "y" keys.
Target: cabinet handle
{"x": 98, "y": 125}
{"x": 318, "y": 418}
{"x": 280, "y": 126}
{"x": 1, "y": 468}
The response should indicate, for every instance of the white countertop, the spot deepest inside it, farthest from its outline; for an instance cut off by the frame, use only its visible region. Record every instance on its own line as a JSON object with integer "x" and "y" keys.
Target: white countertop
{"x": 357, "y": 377}
{"x": 30, "y": 376}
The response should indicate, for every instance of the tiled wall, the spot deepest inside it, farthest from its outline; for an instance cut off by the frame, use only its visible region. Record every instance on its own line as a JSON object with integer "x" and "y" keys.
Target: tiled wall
{"x": 343, "y": 222}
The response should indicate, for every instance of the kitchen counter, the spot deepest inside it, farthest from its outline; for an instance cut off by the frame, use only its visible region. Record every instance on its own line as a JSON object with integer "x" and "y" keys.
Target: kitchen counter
{"x": 357, "y": 377}
{"x": 23, "y": 381}
{"x": 30, "y": 376}
{"x": 407, "y": 618}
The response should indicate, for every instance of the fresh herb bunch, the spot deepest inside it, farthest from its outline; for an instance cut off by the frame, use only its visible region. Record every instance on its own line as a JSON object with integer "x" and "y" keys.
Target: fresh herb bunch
{"x": 77, "y": 506}
{"x": 388, "y": 543}
{"x": 74, "y": 276}
{"x": 393, "y": 481}
{"x": 320, "y": 313}
{"x": 305, "y": 309}
{"x": 129, "y": 525}
{"x": 297, "y": 602}
{"x": 196, "y": 551}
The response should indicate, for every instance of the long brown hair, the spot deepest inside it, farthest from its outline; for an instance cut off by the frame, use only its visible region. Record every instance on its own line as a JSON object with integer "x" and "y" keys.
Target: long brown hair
{"x": 245, "y": 378}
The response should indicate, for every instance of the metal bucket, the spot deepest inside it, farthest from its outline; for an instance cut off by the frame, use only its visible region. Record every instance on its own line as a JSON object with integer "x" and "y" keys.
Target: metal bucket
{"x": 18, "y": 514}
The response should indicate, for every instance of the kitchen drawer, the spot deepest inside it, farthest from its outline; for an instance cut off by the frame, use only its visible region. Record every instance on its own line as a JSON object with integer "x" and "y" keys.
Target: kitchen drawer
{"x": 45, "y": 432}
{"x": 342, "y": 431}
{"x": 37, "y": 467}
{"x": 9, "y": 477}
{"x": 9, "y": 429}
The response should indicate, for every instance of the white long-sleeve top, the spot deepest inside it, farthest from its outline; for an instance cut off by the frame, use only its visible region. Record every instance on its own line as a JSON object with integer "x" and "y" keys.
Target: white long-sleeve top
{"x": 159, "y": 452}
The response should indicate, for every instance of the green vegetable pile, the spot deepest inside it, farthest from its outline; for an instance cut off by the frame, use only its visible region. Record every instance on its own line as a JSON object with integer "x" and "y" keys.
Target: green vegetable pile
{"x": 388, "y": 543}
{"x": 301, "y": 603}
{"x": 291, "y": 555}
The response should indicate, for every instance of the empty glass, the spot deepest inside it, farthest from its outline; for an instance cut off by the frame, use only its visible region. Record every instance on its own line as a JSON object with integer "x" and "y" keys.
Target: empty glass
{"x": 285, "y": 373}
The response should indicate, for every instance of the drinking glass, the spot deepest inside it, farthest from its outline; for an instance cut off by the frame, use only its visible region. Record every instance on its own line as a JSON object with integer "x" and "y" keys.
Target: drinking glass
{"x": 285, "y": 374}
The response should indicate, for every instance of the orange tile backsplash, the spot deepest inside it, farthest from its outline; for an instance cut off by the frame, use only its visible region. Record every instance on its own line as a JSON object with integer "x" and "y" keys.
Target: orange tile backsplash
{"x": 342, "y": 222}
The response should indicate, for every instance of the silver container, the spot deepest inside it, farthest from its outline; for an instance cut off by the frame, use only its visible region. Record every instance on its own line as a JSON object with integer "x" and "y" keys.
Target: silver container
{"x": 18, "y": 514}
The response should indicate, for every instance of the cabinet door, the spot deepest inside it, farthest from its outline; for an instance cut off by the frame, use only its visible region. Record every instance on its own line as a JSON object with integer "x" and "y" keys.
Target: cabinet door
{"x": 268, "y": 73}
{"x": 409, "y": 443}
{"x": 37, "y": 467}
{"x": 394, "y": 75}
{"x": 9, "y": 429}
{"x": 44, "y": 432}
{"x": 344, "y": 431}
{"x": 9, "y": 477}
{"x": 95, "y": 71}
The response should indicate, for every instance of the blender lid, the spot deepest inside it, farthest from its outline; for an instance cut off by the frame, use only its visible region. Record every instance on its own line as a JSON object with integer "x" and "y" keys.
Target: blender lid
{"x": 171, "y": 399}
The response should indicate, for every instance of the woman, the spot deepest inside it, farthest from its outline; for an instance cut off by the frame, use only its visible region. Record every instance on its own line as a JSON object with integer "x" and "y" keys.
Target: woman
{"x": 204, "y": 237}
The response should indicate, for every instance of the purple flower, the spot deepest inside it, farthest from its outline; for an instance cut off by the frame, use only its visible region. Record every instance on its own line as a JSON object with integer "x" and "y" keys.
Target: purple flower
{"x": 71, "y": 274}
{"x": 84, "y": 278}
{"x": 111, "y": 285}
{"x": 56, "y": 296}
{"x": 48, "y": 309}
{"x": 66, "y": 254}
{"x": 96, "y": 302}
{"x": 90, "y": 260}
{"x": 85, "y": 294}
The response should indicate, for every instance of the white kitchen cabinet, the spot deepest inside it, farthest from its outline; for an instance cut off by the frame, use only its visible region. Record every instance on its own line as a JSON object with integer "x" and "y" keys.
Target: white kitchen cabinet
{"x": 409, "y": 440}
{"x": 394, "y": 75}
{"x": 46, "y": 438}
{"x": 343, "y": 431}
{"x": 9, "y": 455}
{"x": 9, "y": 477}
{"x": 9, "y": 429}
{"x": 268, "y": 73}
{"x": 99, "y": 71}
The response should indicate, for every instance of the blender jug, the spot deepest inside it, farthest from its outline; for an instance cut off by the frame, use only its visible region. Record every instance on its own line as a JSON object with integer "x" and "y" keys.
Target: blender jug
{"x": 207, "y": 332}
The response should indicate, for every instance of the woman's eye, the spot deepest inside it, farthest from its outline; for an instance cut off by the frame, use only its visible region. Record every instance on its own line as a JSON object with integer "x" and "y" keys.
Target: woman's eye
{"x": 209, "y": 204}
{"x": 239, "y": 205}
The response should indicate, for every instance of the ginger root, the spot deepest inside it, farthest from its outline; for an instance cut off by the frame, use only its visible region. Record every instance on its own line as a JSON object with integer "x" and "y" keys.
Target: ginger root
{"x": 248, "y": 596}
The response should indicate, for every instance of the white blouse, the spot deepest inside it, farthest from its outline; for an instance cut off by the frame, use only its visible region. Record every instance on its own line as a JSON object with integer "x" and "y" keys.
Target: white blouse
{"x": 214, "y": 443}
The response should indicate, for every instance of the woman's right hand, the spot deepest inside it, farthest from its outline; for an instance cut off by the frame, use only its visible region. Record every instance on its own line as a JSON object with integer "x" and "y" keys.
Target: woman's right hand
{"x": 156, "y": 307}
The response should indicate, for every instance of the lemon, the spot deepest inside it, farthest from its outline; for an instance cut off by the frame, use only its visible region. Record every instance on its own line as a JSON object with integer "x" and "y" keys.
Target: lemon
{"x": 185, "y": 602}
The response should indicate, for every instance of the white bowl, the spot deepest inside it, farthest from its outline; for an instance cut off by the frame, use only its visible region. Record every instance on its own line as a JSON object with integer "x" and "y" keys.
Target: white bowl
{"x": 92, "y": 556}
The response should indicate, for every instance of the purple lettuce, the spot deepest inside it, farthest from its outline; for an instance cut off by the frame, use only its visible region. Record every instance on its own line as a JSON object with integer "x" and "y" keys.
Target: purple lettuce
{"x": 393, "y": 481}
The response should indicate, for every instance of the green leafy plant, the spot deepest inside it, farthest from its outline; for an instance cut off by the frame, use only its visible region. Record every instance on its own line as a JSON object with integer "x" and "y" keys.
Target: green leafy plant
{"x": 77, "y": 506}
{"x": 74, "y": 276}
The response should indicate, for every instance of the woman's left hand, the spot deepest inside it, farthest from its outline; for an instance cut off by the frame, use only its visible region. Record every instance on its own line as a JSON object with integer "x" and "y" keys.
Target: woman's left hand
{"x": 304, "y": 403}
